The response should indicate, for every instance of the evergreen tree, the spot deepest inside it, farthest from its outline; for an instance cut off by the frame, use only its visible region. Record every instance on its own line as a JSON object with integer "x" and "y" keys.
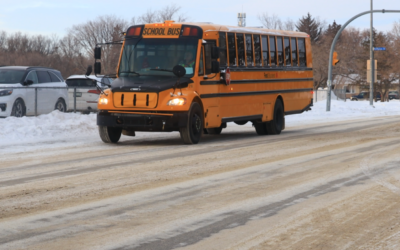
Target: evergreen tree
{"x": 332, "y": 29}
{"x": 311, "y": 26}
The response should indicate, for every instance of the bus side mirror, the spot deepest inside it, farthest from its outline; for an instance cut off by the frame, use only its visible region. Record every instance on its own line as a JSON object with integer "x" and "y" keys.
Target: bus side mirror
{"x": 215, "y": 67}
{"x": 97, "y": 53}
{"x": 89, "y": 70}
{"x": 214, "y": 52}
{"x": 97, "y": 68}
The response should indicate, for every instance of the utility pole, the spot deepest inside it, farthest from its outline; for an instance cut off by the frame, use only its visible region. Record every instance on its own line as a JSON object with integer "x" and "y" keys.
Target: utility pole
{"x": 371, "y": 47}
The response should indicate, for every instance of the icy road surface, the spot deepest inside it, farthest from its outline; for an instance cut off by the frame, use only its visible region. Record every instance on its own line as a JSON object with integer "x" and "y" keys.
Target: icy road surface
{"x": 329, "y": 181}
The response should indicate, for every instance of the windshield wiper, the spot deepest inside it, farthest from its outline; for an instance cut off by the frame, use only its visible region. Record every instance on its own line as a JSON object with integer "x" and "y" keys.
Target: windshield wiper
{"x": 130, "y": 72}
{"x": 162, "y": 70}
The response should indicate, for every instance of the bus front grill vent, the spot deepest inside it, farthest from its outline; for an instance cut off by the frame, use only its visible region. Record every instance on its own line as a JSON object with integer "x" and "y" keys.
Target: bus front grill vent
{"x": 134, "y": 100}
{"x": 122, "y": 100}
{"x": 147, "y": 100}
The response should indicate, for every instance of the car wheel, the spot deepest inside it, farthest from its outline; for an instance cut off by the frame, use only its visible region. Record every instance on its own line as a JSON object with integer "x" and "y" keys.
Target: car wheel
{"x": 60, "y": 106}
{"x": 192, "y": 132}
{"x": 18, "y": 109}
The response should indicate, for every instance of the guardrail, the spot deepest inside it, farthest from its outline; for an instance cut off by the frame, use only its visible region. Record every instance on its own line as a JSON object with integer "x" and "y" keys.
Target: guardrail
{"x": 36, "y": 90}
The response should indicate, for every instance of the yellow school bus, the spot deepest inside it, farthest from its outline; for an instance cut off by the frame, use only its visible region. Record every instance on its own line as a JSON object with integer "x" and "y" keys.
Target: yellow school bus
{"x": 196, "y": 77}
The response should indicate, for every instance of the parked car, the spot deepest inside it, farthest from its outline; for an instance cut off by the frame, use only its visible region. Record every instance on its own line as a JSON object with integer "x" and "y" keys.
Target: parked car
{"x": 20, "y": 101}
{"x": 393, "y": 95}
{"x": 87, "y": 94}
{"x": 361, "y": 96}
{"x": 365, "y": 96}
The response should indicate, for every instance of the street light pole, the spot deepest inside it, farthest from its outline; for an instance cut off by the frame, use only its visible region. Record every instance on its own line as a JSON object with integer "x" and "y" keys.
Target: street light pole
{"x": 372, "y": 61}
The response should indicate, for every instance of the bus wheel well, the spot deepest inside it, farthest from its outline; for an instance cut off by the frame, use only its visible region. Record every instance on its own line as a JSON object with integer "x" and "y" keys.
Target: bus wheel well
{"x": 197, "y": 99}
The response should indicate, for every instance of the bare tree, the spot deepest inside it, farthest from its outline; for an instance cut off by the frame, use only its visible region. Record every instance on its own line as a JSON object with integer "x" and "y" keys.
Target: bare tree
{"x": 270, "y": 22}
{"x": 105, "y": 29}
{"x": 169, "y": 12}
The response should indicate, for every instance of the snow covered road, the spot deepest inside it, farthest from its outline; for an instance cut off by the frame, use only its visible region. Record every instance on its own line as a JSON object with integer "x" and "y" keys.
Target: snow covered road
{"x": 328, "y": 181}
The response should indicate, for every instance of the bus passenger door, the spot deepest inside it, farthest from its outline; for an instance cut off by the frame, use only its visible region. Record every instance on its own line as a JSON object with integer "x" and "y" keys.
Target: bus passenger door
{"x": 210, "y": 84}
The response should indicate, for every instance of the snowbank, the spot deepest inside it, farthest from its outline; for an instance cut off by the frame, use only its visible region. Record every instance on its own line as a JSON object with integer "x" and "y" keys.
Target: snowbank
{"x": 58, "y": 126}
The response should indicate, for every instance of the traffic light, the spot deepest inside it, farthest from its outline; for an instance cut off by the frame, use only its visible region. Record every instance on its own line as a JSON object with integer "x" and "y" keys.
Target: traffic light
{"x": 334, "y": 59}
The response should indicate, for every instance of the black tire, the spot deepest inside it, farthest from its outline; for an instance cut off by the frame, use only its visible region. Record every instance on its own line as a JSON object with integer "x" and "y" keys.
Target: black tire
{"x": 60, "y": 105}
{"x": 214, "y": 131}
{"x": 110, "y": 134}
{"x": 192, "y": 132}
{"x": 261, "y": 128}
{"x": 276, "y": 126}
{"x": 18, "y": 109}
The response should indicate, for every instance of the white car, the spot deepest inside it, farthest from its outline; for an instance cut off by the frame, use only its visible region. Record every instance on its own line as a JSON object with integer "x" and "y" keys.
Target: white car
{"x": 44, "y": 85}
{"x": 87, "y": 94}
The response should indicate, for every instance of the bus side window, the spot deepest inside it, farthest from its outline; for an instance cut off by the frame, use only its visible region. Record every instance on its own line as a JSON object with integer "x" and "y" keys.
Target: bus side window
{"x": 272, "y": 50}
{"x": 302, "y": 52}
{"x": 280, "y": 50}
{"x": 294, "y": 52}
{"x": 232, "y": 49}
{"x": 249, "y": 51}
{"x": 257, "y": 50}
{"x": 288, "y": 60}
{"x": 265, "y": 50}
{"x": 240, "y": 44}
{"x": 222, "y": 48}
{"x": 201, "y": 63}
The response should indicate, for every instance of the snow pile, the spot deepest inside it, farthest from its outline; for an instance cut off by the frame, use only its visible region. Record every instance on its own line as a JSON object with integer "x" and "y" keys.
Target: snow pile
{"x": 341, "y": 110}
{"x": 58, "y": 126}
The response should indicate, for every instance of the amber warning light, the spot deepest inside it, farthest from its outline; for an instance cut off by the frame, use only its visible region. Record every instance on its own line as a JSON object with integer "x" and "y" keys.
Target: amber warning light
{"x": 134, "y": 31}
{"x": 190, "y": 31}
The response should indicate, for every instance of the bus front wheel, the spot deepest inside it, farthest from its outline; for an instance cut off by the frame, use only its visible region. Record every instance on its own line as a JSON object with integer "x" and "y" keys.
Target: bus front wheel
{"x": 110, "y": 134}
{"x": 192, "y": 132}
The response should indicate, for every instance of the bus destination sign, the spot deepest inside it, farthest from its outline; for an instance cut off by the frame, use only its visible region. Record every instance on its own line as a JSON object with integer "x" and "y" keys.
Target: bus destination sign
{"x": 161, "y": 31}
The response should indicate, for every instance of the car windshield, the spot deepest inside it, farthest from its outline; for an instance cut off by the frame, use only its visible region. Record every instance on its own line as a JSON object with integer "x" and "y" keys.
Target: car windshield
{"x": 157, "y": 57}
{"x": 11, "y": 76}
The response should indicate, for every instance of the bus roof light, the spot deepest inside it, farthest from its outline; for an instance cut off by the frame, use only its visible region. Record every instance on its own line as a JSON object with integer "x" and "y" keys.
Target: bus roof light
{"x": 190, "y": 31}
{"x": 134, "y": 31}
{"x": 194, "y": 32}
{"x": 186, "y": 31}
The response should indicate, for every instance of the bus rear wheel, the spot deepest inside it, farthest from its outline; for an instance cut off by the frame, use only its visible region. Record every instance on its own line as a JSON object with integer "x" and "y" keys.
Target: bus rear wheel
{"x": 110, "y": 134}
{"x": 192, "y": 132}
{"x": 276, "y": 126}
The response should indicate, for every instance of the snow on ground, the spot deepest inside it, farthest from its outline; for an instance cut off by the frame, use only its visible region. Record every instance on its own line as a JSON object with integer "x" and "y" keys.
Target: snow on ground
{"x": 58, "y": 127}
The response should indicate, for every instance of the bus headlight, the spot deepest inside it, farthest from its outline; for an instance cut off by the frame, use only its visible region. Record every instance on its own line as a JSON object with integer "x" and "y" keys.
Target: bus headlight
{"x": 6, "y": 92}
{"x": 177, "y": 102}
{"x": 103, "y": 101}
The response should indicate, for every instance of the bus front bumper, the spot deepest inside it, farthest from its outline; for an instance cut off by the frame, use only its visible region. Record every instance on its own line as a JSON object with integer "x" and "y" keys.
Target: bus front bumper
{"x": 143, "y": 122}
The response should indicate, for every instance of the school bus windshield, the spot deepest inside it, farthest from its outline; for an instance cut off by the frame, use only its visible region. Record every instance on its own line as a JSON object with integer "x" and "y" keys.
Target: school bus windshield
{"x": 157, "y": 57}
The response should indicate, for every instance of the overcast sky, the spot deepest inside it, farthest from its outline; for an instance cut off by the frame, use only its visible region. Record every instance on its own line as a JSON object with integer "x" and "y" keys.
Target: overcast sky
{"x": 56, "y": 17}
